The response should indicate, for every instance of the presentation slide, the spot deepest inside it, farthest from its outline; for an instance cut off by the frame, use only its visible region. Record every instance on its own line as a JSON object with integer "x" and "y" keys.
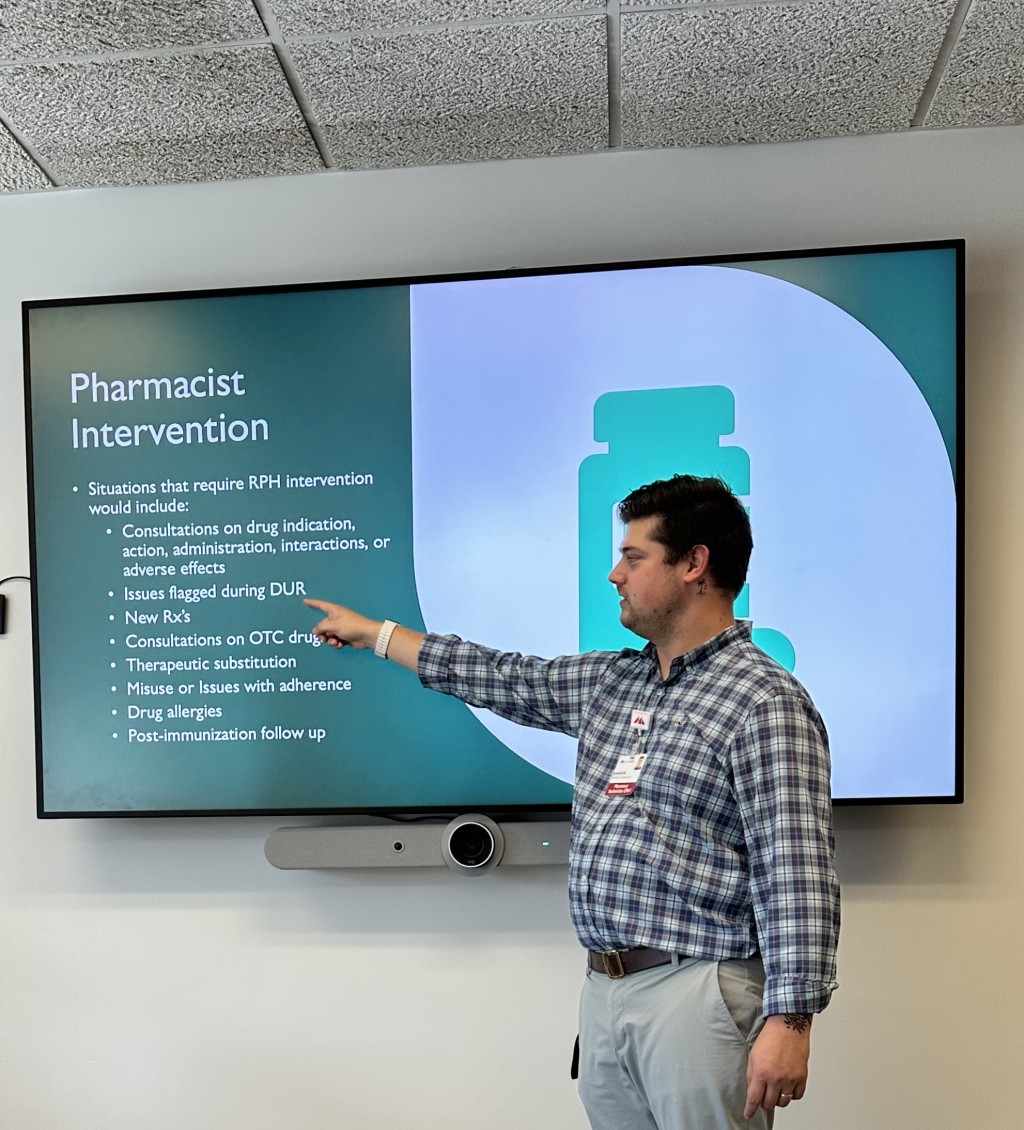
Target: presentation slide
{"x": 448, "y": 454}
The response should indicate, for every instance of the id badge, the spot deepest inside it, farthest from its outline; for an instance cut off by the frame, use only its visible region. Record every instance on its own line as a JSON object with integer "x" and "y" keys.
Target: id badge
{"x": 625, "y": 775}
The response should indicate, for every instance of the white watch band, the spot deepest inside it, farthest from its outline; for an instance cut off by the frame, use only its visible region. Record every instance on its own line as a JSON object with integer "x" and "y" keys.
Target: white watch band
{"x": 380, "y": 648}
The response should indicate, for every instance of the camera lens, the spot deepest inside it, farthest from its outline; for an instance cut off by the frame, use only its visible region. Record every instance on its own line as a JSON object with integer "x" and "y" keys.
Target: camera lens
{"x": 471, "y": 845}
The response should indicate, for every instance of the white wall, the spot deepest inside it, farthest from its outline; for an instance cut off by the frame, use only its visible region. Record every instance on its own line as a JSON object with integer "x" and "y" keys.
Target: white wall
{"x": 161, "y": 974}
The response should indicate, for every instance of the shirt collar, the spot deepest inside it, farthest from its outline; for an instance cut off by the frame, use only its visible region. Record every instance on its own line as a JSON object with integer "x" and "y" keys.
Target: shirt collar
{"x": 704, "y": 652}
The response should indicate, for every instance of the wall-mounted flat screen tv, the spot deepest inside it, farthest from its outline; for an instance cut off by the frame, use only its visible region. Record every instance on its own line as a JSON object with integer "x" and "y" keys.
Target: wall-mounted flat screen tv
{"x": 447, "y": 452}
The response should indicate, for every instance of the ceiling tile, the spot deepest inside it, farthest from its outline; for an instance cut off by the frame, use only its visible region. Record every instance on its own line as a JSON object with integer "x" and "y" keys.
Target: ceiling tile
{"x": 18, "y": 172}
{"x": 498, "y": 91}
{"x": 208, "y": 115}
{"x": 45, "y": 29}
{"x": 776, "y": 72}
{"x": 312, "y": 17}
{"x": 984, "y": 81}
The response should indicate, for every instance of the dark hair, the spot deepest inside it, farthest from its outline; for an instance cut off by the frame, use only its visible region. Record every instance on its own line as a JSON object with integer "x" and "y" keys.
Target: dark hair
{"x": 696, "y": 511}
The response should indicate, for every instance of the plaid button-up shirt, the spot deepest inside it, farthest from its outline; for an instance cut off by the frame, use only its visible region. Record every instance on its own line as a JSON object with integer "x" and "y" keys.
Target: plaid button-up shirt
{"x": 725, "y": 848}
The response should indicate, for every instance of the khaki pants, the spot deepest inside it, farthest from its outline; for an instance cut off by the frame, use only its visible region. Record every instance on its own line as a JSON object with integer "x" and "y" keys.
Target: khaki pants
{"x": 666, "y": 1049}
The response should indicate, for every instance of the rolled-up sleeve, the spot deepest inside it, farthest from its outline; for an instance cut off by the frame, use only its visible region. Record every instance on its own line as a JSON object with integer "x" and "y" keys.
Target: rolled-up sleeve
{"x": 782, "y": 775}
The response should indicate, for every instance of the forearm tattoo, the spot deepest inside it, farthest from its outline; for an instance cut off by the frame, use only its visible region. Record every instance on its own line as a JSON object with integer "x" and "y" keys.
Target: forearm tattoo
{"x": 798, "y": 1021}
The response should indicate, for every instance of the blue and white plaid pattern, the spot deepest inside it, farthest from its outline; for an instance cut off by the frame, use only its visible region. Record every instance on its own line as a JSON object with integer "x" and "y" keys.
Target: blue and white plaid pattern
{"x": 726, "y": 846}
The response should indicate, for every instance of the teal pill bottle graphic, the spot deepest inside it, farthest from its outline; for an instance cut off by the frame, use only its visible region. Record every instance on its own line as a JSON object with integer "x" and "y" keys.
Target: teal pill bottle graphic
{"x": 652, "y": 434}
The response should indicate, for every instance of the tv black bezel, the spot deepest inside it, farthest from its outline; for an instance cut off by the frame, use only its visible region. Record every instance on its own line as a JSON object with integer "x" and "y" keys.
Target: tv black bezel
{"x": 958, "y": 245}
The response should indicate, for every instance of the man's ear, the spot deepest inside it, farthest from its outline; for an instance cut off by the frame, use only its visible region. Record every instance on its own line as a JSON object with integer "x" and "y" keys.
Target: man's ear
{"x": 696, "y": 562}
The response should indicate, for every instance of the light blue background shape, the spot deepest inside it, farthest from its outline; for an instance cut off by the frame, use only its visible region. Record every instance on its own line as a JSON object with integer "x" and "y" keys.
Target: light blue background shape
{"x": 852, "y": 496}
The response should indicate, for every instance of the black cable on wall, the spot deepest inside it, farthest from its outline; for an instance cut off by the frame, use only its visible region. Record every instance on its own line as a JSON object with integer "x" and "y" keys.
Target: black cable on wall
{"x": 3, "y": 601}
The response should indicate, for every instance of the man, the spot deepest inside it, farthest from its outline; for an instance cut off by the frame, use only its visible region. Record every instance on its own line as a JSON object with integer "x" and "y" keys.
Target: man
{"x": 701, "y": 873}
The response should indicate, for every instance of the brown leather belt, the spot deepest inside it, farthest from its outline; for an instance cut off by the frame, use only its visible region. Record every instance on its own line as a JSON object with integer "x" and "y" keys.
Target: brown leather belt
{"x": 617, "y": 963}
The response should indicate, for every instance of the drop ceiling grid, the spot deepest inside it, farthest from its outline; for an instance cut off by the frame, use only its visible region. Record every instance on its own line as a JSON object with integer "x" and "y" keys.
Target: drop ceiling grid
{"x": 158, "y": 91}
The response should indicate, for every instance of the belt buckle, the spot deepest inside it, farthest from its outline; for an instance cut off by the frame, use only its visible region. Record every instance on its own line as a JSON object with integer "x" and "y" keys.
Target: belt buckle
{"x": 613, "y": 964}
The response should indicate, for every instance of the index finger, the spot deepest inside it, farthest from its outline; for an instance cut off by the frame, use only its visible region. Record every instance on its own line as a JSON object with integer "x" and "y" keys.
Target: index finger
{"x": 756, "y": 1092}
{"x": 325, "y": 606}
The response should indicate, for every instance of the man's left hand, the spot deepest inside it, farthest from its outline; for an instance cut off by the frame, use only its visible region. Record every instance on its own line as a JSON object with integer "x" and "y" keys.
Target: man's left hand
{"x": 777, "y": 1065}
